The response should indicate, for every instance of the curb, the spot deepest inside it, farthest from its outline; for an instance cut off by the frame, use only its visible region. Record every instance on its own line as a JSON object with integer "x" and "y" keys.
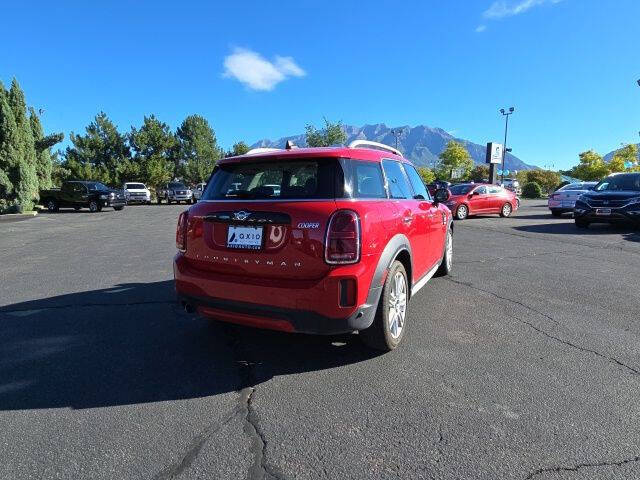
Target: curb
{"x": 16, "y": 217}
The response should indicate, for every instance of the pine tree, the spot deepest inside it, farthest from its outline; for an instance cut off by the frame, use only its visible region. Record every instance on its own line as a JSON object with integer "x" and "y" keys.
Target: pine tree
{"x": 198, "y": 149}
{"x": 8, "y": 154}
{"x": 99, "y": 154}
{"x": 23, "y": 175}
{"x": 154, "y": 145}
{"x": 43, "y": 144}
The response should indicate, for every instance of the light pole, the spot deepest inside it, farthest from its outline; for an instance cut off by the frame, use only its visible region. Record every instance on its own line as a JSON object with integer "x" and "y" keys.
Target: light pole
{"x": 395, "y": 133}
{"x": 506, "y": 114}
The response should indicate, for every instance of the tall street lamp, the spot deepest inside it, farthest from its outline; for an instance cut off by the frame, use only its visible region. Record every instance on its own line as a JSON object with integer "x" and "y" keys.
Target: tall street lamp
{"x": 506, "y": 114}
{"x": 395, "y": 132}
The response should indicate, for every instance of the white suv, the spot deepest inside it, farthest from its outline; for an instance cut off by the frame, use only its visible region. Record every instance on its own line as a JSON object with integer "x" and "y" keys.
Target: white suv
{"x": 136, "y": 193}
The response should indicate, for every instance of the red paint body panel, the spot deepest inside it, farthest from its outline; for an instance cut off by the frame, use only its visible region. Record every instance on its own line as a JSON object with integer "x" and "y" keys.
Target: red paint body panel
{"x": 289, "y": 273}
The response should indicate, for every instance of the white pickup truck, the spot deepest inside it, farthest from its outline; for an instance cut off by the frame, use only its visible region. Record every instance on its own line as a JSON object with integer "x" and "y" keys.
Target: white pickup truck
{"x": 136, "y": 193}
{"x": 197, "y": 191}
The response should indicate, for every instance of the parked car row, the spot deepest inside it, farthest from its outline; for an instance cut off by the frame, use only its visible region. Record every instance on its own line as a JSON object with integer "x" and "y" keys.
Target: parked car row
{"x": 615, "y": 199}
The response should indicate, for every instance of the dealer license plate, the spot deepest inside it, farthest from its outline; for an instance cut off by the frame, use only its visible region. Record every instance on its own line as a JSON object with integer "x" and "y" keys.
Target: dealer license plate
{"x": 244, "y": 237}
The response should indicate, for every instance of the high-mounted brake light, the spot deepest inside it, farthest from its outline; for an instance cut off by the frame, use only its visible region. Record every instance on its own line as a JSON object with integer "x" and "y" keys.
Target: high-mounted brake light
{"x": 181, "y": 232}
{"x": 342, "y": 243}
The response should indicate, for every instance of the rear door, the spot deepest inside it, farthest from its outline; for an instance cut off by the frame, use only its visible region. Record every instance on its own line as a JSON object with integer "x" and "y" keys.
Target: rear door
{"x": 496, "y": 197}
{"x": 414, "y": 221}
{"x": 265, "y": 219}
{"x": 67, "y": 198}
{"x": 433, "y": 218}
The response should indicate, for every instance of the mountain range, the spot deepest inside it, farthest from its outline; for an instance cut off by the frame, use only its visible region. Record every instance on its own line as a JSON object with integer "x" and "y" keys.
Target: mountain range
{"x": 420, "y": 144}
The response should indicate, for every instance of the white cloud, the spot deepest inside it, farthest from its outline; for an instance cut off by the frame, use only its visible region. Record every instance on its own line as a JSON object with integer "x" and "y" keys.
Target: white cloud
{"x": 502, "y": 8}
{"x": 258, "y": 73}
{"x": 481, "y": 28}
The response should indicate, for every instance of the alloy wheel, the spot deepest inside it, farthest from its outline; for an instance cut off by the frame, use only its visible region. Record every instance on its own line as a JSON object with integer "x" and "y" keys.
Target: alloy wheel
{"x": 397, "y": 304}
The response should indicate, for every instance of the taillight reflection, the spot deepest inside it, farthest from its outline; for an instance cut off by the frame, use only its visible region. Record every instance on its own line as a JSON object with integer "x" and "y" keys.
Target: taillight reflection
{"x": 181, "y": 232}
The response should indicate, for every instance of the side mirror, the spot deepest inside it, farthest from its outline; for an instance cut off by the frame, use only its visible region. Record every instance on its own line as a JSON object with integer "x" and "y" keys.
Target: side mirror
{"x": 441, "y": 195}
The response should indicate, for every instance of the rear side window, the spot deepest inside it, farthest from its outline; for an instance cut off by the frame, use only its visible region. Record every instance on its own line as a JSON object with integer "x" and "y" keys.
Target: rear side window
{"x": 397, "y": 180}
{"x": 368, "y": 180}
{"x": 295, "y": 179}
{"x": 416, "y": 182}
{"x": 494, "y": 190}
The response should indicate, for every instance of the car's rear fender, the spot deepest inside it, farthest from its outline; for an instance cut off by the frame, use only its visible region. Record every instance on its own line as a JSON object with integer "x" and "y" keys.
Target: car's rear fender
{"x": 397, "y": 248}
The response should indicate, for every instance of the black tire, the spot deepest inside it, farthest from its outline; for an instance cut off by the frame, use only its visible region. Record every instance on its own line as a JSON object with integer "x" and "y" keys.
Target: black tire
{"x": 556, "y": 213}
{"x": 168, "y": 200}
{"x": 94, "y": 206}
{"x": 77, "y": 209}
{"x": 506, "y": 210}
{"x": 382, "y": 335}
{"x": 462, "y": 212}
{"x": 158, "y": 200}
{"x": 52, "y": 206}
{"x": 447, "y": 257}
{"x": 149, "y": 202}
{"x": 581, "y": 224}
{"x": 117, "y": 209}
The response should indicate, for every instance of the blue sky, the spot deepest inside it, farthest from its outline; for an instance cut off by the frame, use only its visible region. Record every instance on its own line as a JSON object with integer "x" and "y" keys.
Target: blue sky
{"x": 265, "y": 69}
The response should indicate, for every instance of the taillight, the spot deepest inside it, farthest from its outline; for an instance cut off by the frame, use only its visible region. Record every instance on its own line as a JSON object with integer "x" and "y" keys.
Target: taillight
{"x": 181, "y": 232}
{"x": 553, "y": 196}
{"x": 342, "y": 243}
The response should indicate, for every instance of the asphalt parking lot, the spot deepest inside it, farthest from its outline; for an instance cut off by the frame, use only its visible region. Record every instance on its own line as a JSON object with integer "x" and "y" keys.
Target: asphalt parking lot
{"x": 524, "y": 364}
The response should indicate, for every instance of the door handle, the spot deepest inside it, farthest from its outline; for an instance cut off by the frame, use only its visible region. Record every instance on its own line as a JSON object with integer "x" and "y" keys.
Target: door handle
{"x": 407, "y": 220}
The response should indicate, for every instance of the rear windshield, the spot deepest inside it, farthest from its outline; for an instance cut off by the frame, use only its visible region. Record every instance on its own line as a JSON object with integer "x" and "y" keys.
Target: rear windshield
{"x": 304, "y": 178}
{"x": 135, "y": 186}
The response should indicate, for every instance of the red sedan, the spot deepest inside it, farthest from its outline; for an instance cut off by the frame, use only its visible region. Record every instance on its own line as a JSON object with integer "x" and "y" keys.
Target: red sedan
{"x": 476, "y": 198}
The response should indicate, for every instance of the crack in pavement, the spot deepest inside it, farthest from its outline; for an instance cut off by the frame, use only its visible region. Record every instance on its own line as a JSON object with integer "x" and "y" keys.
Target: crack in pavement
{"x": 575, "y": 468}
{"x": 516, "y": 257}
{"x": 617, "y": 245}
{"x": 259, "y": 470}
{"x": 506, "y": 299}
{"x": 176, "y": 469}
{"x": 89, "y": 304}
{"x": 545, "y": 333}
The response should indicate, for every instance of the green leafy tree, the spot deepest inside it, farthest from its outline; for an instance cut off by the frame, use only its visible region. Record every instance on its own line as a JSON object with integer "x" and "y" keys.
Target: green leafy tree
{"x": 198, "y": 149}
{"x": 99, "y": 153}
{"x": 628, "y": 154}
{"x": 455, "y": 162}
{"x": 155, "y": 147}
{"x": 591, "y": 167}
{"x": 25, "y": 178}
{"x": 239, "y": 148}
{"x": 331, "y": 134}
{"x": 546, "y": 179}
{"x": 532, "y": 190}
{"x": 427, "y": 175}
{"x": 479, "y": 173}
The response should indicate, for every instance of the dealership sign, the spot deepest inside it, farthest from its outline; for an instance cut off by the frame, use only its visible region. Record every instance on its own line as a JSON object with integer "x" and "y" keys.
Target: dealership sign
{"x": 494, "y": 152}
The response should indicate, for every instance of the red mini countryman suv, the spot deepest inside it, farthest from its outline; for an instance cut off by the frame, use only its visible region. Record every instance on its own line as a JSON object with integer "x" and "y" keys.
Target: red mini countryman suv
{"x": 315, "y": 240}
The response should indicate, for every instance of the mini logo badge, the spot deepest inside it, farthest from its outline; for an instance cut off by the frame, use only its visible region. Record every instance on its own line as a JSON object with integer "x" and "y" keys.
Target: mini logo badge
{"x": 241, "y": 215}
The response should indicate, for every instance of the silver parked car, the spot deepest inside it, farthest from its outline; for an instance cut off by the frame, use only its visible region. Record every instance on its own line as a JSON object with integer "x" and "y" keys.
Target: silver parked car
{"x": 564, "y": 199}
{"x": 197, "y": 191}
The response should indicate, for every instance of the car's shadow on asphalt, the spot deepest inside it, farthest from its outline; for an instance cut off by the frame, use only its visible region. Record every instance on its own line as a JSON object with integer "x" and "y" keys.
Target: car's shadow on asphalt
{"x": 628, "y": 232}
{"x": 133, "y": 344}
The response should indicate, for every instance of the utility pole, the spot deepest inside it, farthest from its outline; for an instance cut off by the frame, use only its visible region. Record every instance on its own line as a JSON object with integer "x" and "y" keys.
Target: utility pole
{"x": 506, "y": 114}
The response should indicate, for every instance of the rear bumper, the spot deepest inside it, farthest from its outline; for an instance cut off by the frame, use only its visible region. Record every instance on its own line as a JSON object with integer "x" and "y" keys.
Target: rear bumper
{"x": 311, "y": 309}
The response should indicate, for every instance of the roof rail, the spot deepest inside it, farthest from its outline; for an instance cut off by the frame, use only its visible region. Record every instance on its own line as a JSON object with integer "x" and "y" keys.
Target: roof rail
{"x": 382, "y": 146}
{"x": 255, "y": 151}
